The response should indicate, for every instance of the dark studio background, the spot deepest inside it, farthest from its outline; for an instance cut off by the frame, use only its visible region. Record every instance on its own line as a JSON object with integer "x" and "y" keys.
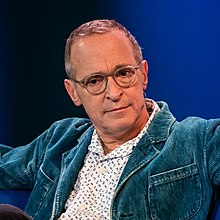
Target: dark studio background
{"x": 180, "y": 40}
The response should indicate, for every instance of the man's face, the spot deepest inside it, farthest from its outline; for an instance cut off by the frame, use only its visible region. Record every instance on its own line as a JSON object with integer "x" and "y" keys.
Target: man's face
{"x": 117, "y": 111}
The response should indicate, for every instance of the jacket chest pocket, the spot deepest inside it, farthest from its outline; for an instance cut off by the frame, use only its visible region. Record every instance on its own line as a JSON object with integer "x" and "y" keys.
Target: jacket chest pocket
{"x": 175, "y": 194}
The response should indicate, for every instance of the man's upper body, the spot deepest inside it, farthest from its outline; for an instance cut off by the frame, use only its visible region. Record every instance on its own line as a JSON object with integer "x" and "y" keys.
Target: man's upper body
{"x": 170, "y": 172}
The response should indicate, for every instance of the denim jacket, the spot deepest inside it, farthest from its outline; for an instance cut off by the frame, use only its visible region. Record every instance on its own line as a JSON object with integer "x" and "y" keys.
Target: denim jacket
{"x": 171, "y": 174}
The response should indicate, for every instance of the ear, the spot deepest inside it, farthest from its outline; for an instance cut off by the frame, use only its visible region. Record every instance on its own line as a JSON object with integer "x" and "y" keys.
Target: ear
{"x": 71, "y": 90}
{"x": 144, "y": 70}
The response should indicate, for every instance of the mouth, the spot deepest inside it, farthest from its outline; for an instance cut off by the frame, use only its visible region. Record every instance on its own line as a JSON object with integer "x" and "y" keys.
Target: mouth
{"x": 117, "y": 109}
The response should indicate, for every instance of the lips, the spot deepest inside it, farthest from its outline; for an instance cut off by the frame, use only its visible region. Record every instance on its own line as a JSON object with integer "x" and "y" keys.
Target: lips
{"x": 117, "y": 109}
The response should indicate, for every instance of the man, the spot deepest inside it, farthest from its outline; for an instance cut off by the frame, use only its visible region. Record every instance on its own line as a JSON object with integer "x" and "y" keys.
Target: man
{"x": 131, "y": 159}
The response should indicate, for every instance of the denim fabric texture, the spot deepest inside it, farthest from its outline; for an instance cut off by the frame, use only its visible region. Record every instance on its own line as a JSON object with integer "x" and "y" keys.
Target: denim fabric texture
{"x": 170, "y": 175}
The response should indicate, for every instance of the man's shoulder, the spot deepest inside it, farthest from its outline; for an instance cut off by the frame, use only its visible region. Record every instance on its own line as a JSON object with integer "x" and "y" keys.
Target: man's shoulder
{"x": 71, "y": 122}
{"x": 197, "y": 126}
{"x": 199, "y": 121}
{"x": 186, "y": 125}
{"x": 189, "y": 121}
{"x": 69, "y": 126}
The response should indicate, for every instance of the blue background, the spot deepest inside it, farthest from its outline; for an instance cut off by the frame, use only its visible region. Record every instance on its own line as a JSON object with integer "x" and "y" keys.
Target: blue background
{"x": 180, "y": 40}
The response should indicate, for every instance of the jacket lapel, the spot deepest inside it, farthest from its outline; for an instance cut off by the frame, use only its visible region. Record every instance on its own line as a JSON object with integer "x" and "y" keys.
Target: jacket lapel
{"x": 72, "y": 162}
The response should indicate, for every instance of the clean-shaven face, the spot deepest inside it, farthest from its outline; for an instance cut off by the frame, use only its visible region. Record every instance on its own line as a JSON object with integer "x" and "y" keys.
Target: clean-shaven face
{"x": 118, "y": 112}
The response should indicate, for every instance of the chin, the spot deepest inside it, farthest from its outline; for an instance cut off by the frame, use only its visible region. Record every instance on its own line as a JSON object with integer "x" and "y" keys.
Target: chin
{"x": 122, "y": 127}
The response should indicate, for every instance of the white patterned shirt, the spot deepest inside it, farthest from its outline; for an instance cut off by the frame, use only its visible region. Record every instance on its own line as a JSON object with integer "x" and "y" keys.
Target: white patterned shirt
{"x": 94, "y": 189}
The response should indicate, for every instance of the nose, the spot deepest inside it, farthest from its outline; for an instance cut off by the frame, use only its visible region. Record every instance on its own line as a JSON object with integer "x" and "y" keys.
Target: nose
{"x": 113, "y": 90}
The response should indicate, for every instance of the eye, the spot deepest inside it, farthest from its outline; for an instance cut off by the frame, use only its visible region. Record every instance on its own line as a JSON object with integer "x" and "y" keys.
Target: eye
{"x": 94, "y": 80}
{"x": 127, "y": 72}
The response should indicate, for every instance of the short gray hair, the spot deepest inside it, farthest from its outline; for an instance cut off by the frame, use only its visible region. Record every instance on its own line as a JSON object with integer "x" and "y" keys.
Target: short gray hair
{"x": 97, "y": 27}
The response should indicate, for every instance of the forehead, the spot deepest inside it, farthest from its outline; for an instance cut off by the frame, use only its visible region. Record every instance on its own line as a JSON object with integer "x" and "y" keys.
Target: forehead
{"x": 102, "y": 52}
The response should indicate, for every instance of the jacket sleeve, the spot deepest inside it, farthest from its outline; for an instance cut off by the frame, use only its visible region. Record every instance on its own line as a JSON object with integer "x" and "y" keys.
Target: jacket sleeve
{"x": 212, "y": 151}
{"x": 18, "y": 165}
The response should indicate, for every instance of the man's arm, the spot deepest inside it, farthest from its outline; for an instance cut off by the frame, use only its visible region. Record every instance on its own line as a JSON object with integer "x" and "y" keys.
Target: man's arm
{"x": 18, "y": 165}
{"x": 212, "y": 151}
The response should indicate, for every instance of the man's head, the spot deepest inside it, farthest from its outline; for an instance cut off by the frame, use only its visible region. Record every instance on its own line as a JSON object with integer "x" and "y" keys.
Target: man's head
{"x": 113, "y": 99}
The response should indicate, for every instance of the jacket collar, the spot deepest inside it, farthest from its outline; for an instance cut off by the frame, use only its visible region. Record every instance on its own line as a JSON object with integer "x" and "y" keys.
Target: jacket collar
{"x": 161, "y": 126}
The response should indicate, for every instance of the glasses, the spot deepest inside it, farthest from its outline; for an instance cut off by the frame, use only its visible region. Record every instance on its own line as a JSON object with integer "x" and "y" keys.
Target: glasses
{"x": 97, "y": 83}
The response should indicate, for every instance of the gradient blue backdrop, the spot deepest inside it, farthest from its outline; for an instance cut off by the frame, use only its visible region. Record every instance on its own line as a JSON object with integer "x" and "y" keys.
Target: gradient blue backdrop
{"x": 180, "y": 40}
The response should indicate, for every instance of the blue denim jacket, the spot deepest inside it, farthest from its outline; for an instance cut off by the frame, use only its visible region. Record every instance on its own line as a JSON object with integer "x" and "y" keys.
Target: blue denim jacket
{"x": 171, "y": 174}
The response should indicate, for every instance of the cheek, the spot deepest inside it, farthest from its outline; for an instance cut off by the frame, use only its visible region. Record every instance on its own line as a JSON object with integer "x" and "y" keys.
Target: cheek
{"x": 138, "y": 92}
{"x": 137, "y": 97}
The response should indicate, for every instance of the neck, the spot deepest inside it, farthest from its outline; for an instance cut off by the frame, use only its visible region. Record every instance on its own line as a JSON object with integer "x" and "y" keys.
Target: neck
{"x": 109, "y": 147}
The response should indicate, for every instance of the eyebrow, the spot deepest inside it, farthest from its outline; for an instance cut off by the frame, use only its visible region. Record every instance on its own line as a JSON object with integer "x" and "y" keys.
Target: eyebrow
{"x": 116, "y": 67}
{"x": 122, "y": 65}
{"x": 104, "y": 73}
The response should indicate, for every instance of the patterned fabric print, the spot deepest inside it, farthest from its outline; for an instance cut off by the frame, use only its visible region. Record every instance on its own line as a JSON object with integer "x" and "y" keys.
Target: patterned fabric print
{"x": 94, "y": 189}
